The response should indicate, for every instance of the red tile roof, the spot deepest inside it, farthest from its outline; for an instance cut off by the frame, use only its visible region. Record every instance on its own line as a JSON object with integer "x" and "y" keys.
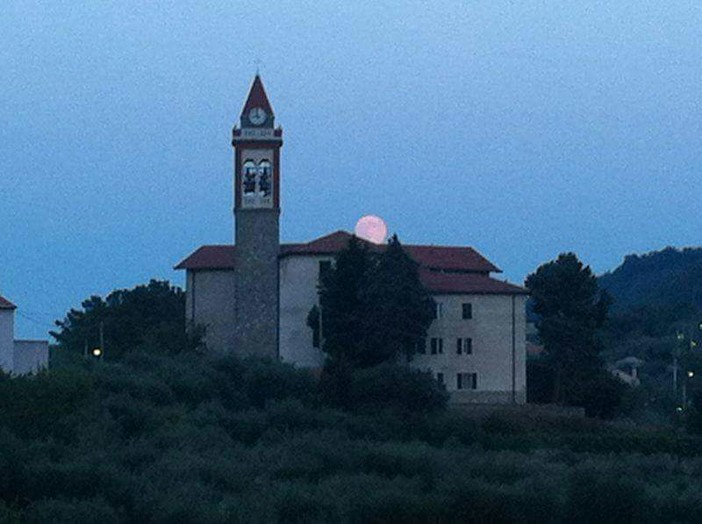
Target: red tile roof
{"x": 434, "y": 257}
{"x": 444, "y": 269}
{"x": 257, "y": 98}
{"x": 210, "y": 257}
{"x": 440, "y": 283}
{"x": 6, "y": 304}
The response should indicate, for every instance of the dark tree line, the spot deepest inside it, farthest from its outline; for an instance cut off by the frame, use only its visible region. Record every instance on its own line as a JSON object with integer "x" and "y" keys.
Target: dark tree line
{"x": 146, "y": 318}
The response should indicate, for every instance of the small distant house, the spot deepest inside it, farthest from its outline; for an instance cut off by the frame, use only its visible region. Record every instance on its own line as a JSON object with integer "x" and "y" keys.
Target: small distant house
{"x": 626, "y": 370}
{"x": 19, "y": 356}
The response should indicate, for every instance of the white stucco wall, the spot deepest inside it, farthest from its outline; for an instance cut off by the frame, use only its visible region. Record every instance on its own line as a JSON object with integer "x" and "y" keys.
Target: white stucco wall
{"x": 210, "y": 301}
{"x": 298, "y": 293}
{"x": 491, "y": 330}
{"x": 7, "y": 342}
{"x": 499, "y": 342}
{"x": 31, "y": 356}
{"x": 20, "y": 356}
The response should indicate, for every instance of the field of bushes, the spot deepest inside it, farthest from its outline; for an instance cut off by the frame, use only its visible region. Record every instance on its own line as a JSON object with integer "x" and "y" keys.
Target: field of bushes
{"x": 209, "y": 440}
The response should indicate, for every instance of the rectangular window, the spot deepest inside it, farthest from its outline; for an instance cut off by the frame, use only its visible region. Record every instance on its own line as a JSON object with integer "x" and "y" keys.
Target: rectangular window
{"x": 467, "y": 381}
{"x": 422, "y": 346}
{"x": 464, "y": 346}
{"x": 437, "y": 346}
{"x": 438, "y": 310}
{"x": 467, "y": 310}
{"x": 440, "y": 378}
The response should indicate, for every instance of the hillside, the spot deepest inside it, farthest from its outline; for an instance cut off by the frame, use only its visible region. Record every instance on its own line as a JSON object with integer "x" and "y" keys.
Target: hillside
{"x": 668, "y": 278}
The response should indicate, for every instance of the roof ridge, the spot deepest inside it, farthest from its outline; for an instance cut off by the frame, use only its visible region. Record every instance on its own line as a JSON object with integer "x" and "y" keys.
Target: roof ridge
{"x": 6, "y": 304}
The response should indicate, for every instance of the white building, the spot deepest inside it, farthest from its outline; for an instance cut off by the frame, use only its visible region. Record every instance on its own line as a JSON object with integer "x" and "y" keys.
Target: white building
{"x": 19, "y": 356}
{"x": 253, "y": 297}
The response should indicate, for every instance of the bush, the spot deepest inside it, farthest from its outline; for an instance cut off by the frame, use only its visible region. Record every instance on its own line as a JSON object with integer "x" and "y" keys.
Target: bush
{"x": 396, "y": 387}
{"x": 693, "y": 421}
{"x": 196, "y": 439}
{"x": 601, "y": 396}
{"x": 60, "y": 511}
{"x": 540, "y": 379}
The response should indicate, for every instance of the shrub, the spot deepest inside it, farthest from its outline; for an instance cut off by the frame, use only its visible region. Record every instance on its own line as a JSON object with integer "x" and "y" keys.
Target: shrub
{"x": 601, "y": 395}
{"x": 267, "y": 380}
{"x": 598, "y": 494}
{"x": 396, "y": 387}
{"x": 60, "y": 511}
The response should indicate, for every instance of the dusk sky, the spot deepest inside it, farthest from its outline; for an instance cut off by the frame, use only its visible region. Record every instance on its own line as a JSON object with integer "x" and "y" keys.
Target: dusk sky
{"x": 523, "y": 129}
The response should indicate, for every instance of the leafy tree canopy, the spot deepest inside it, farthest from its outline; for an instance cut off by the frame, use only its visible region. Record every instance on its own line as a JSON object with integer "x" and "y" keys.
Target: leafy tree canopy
{"x": 570, "y": 309}
{"x": 147, "y": 318}
{"x": 374, "y": 307}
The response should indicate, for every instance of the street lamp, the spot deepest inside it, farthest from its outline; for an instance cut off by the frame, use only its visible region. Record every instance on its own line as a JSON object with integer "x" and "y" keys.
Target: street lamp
{"x": 97, "y": 352}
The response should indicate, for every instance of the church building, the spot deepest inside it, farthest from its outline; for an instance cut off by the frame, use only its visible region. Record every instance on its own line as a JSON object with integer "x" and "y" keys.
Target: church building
{"x": 253, "y": 297}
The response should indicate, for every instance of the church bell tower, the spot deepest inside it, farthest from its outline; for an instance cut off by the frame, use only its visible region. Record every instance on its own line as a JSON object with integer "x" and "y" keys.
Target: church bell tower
{"x": 257, "y": 144}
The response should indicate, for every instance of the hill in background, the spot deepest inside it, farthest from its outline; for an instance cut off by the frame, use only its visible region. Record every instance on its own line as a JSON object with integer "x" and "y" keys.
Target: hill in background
{"x": 667, "y": 278}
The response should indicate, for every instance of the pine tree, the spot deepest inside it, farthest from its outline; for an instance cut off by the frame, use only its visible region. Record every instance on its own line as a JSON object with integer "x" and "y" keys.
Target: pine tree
{"x": 374, "y": 308}
{"x": 571, "y": 308}
{"x": 398, "y": 307}
{"x": 340, "y": 300}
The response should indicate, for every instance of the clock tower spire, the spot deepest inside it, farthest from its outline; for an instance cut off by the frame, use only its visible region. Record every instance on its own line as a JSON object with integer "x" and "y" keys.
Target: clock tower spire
{"x": 257, "y": 144}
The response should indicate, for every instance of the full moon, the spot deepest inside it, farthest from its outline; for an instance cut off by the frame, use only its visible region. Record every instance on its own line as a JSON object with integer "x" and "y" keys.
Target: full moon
{"x": 372, "y": 228}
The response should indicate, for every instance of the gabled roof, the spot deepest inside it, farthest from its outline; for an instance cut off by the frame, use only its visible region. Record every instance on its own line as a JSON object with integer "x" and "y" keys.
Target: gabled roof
{"x": 326, "y": 245}
{"x": 443, "y": 269}
{"x": 257, "y": 98}
{"x": 440, "y": 283}
{"x": 210, "y": 257}
{"x": 455, "y": 258}
{"x": 6, "y": 304}
{"x": 462, "y": 259}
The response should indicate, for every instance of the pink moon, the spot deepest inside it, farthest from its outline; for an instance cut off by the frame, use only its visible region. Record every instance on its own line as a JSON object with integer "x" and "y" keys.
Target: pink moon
{"x": 372, "y": 228}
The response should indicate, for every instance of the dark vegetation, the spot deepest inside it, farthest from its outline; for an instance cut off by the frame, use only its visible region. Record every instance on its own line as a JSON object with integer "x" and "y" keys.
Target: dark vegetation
{"x": 148, "y": 318}
{"x": 570, "y": 310}
{"x": 375, "y": 308}
{"x": 660, "y": 278}
{"x": 656, "y": 315}
{"x": 159, "y": 431}
{"x": 187, "y": 438}
{"x": 374, "y": 312}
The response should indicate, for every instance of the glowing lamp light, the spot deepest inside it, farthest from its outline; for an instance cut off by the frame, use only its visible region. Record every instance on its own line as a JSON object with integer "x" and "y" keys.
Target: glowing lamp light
{"x": 371, "y": 228}
{"x": 690, "y": 374}
{"x": 97, "y": 352}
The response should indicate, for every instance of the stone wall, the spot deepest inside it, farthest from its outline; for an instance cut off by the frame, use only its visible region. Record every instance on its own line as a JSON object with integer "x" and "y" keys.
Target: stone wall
{"x": 256, "y": 268}
{"x": 210, "y": 301}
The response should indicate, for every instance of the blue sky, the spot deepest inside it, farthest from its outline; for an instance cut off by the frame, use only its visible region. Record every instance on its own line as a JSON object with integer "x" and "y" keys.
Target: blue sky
{"x": 524, "y": 129}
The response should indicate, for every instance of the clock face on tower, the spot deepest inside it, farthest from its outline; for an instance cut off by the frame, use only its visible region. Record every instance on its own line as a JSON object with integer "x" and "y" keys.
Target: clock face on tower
{"x": 257, "y": 116}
